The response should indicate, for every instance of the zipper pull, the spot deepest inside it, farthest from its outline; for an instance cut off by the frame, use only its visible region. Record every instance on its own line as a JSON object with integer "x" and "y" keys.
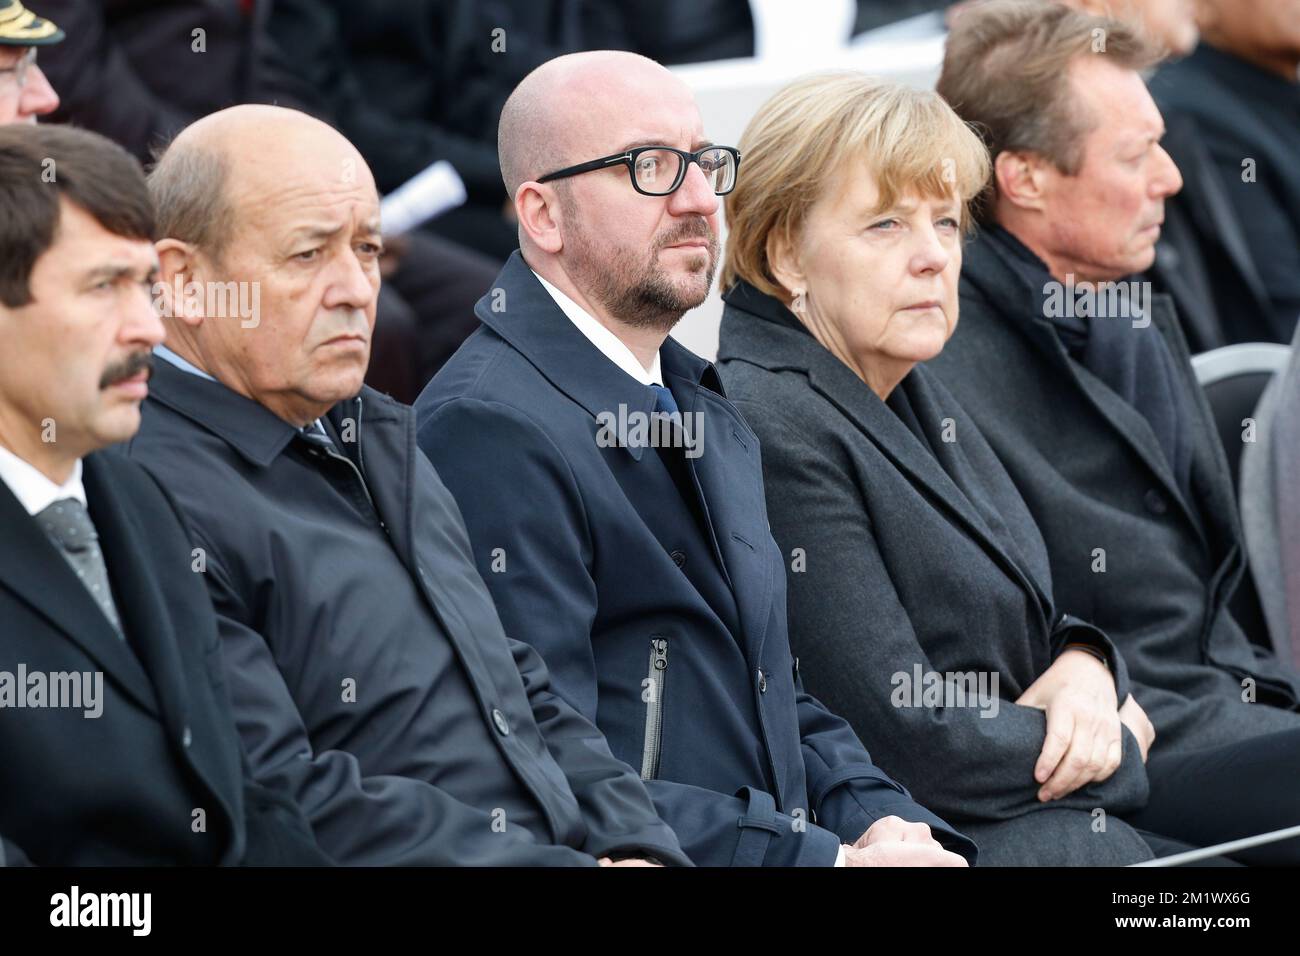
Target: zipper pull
{"x": 660, "y": 653}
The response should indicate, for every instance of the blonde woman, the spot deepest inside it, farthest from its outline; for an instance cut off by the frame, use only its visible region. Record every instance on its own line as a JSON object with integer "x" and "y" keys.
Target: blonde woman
{"x": 920, "y": 591}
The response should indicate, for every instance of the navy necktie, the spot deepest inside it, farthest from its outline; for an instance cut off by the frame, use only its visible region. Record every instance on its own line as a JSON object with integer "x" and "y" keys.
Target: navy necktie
{"x": 664, "y": 401}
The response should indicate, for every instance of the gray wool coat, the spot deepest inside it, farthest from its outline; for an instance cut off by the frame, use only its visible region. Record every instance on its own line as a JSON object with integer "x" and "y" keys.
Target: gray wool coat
{"x": 1091, "y": 471}
{"x": 910, "y": 556}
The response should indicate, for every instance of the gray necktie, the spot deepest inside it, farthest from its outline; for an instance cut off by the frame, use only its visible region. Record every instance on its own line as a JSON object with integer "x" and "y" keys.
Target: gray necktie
{"x": 68, "y": 525}
{"x": 316, "y": 435}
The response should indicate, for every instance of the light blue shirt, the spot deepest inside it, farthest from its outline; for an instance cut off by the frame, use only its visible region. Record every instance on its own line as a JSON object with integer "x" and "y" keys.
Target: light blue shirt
{"x": 167, "y": 355}
{"x": 163, "y": 352}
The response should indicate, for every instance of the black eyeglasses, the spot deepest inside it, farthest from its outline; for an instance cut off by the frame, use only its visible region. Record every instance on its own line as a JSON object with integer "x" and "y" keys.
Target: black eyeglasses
{"x": 660, "y": 170}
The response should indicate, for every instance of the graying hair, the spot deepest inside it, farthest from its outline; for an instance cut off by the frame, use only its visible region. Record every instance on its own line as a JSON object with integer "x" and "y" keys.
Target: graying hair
{"x": 188, "y": 186}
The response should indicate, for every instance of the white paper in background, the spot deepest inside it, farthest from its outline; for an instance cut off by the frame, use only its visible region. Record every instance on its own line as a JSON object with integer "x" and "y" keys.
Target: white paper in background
{"x": 424, "y": 196}
{"x": 801, "y": 28}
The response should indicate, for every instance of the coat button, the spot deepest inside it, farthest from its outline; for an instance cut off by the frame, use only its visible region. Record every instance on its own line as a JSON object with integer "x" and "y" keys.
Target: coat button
{"x": 499, "y": 719}
{"x": 762, "y": 681}
{"x": 187, "y": 737}
{"x": 679, "y": 558}
{"x": 1155, "y": 502}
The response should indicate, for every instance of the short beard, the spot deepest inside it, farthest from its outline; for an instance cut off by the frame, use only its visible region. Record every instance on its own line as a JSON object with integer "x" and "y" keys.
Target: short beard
{"x": 638, "y": 292}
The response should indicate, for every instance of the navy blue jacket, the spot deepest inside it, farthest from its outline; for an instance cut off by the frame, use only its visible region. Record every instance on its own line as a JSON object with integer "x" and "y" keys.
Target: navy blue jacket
{"x": 671, "y": 639}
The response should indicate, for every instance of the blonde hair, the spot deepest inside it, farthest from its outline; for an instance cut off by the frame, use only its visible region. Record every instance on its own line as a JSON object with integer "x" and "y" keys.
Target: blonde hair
{"x": 822, "y": 125}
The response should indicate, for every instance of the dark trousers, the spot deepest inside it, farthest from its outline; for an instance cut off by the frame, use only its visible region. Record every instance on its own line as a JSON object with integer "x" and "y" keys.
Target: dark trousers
{"x": 1203, "y": 797}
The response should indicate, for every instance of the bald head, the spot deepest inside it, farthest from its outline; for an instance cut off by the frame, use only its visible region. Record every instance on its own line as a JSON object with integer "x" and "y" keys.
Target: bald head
{"x": 269, "y": 253}
{"x": 573, "y": 104}
{"x": 231, "y": 161}
{"x": 634, "y": 259}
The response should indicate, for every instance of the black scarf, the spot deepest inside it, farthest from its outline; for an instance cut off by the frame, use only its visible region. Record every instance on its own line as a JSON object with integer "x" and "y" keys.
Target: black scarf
{"x": 1134, "y": 361}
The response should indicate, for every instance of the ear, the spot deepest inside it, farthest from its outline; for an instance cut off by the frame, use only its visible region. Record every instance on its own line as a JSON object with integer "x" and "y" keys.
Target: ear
{"x": 177, "y": 268}
{"x": 1021, "y": 179}
{"x": 785, "y": 265}
{"x": 538, "y": 209}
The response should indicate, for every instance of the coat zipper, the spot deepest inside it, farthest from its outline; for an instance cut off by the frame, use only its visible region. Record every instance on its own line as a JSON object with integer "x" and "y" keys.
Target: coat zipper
{"x": 357, "y": 471}
{"x": 654, "y": 708}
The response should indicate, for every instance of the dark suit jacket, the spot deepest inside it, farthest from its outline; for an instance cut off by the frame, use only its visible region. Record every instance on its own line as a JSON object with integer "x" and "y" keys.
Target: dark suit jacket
{"x": 369, "y": 671}
{"x": 1092, "y": 473}
{"x": 122, "y": 788}
{"x": 594, "y": 557}
{"x": 918, "y": 552}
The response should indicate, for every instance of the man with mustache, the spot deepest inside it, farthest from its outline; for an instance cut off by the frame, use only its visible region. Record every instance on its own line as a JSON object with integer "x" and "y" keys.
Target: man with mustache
{"x": 369, "y": 671}
{"x": 646, "y": 577}
{"x": 96, "y": 581}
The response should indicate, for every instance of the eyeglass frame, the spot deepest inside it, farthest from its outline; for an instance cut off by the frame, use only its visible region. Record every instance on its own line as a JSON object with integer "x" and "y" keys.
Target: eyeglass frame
{"x": 21, "y": 68}
{"x": 628, "y": 159}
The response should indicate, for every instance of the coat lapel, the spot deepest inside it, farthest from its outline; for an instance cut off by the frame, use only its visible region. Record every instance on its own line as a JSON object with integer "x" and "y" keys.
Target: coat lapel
{"x": 1211, "y": 475}
{"x": 32, "y": 567}
{"x": 1131, "y": 425}
{"x": 728, "y": 479}
{"x": 770, "y": 341}
{"x": 838, "y": 385}
{"x": 879, "y": 425}
{"x": 523, "y": 313}
{"x": 1012, "y": 297}
{"x": 153, "y": 633}
{"x": 145, "y": 616}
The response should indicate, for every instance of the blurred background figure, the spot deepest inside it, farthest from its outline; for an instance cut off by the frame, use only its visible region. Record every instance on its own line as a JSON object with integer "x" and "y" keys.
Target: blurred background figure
{"x": 139, "y": 72}
{"x": 1270, "y": 508}
{"x": 25, "y": 93}
{"x": 1168, "y": 25}
{"x": 411, "y": 82}
{"x": 1238, "y": 95}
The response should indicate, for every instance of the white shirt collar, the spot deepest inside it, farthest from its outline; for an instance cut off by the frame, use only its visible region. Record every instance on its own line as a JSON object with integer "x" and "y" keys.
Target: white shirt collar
{"x": 610, "y": 345}
{"x": 33, "y": 490}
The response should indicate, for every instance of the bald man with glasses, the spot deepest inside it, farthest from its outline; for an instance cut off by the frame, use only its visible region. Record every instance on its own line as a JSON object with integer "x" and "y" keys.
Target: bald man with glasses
{"x": 25, "y": 93}
{"x": 614, "y": 496}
